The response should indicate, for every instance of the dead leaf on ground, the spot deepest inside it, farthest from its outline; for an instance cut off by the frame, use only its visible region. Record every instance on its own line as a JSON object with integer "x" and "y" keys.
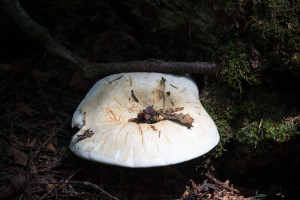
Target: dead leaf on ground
{"x": 19, "y": 181}
{"x": 20, "y": 157}
{"x": 32, "y": 143}
{"x": 51, "y": 147}
{"x": 14, "y": 141}
{"x": 26, "y": 109}
{"x": 50, "y": 186}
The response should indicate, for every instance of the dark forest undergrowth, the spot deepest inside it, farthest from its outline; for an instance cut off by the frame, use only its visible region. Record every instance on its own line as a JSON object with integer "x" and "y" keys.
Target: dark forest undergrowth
{"x": 39, "y": 94}
{"x": 36, "y": 162}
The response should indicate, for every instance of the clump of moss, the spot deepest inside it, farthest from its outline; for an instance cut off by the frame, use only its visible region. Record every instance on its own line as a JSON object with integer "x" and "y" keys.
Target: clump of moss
{"x": 274, "y": 29}
{"x": 262, "y": 134}
{"x": 268, "y": 39}
{"x": 237, "y": 67}
{"x": 259, "y": 118}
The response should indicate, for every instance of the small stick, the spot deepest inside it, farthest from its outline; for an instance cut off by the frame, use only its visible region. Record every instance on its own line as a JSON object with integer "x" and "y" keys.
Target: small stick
{"x": 134, "y": 97}
{"x": 95, "y": 187}
{"x": 116, "y": 79}
{"x": 60, "y": 182}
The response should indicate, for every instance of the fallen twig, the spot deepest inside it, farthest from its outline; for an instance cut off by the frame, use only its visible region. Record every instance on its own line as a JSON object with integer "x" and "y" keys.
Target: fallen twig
{"x": 37, "y": 152}
{"x": 30, "y": 165}
{"x": 41, "y": 36}
{"x": 60, "y": 182}
{"x": 95, "y": 186}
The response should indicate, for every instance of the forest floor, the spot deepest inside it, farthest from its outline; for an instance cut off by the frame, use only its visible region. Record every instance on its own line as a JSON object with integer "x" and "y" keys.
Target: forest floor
{"x": 36, "y": 162}
{"x": 38, "y": 98}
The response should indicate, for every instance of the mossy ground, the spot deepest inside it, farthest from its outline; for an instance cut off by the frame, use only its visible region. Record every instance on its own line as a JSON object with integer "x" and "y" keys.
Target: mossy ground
{"x": 260, "y": 117}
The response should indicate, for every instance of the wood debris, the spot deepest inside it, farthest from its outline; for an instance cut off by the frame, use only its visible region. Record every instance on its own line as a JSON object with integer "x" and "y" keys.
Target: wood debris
{"x": 134, "y": 97}
{"x": 116, "y": 79}
{"x": 87, "y": 133}
{"x": 151, "y": 116}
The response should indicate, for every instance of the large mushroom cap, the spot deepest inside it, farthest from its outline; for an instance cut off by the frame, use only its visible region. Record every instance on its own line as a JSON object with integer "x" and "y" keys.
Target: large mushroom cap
{"x": 106, "y": 136}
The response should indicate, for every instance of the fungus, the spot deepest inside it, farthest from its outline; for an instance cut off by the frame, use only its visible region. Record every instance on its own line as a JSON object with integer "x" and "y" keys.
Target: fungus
{"x": 111, "y": 132}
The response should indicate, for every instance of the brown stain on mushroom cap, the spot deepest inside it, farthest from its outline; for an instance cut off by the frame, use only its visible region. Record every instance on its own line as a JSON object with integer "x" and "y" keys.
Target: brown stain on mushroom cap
{"x": 158, "y": 93}
{"x": 153, "y": 127}
{"x": 112, "y": 115}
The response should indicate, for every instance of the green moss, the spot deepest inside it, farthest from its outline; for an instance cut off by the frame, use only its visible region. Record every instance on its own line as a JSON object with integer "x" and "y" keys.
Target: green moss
{"x": 274, "y": 30}
{"x": 259, "y": 133}
{"x": 236, "y": 65}
{"x": 259, "y": 118}
{"x": 264, "y": 37}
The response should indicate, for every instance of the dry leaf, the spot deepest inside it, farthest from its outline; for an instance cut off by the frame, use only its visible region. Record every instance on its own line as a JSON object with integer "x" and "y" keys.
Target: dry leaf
{"x": 16, "y": 142}
{"x": 86, "y": 134}
{"x": 50, "y": 186}
{"x": 51, "y": 147}
{"x": 19, "y": 181}
{"x": 32, "y": 143}
{"x": 26, "y": 109}
{"x": 20, "y": 157}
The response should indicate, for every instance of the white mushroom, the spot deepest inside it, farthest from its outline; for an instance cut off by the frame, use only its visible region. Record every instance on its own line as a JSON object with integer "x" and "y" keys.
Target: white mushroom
{"x": 106, "y": 136}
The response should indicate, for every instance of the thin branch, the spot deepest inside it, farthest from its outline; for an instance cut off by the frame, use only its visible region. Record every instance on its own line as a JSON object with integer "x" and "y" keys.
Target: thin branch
{"x": 60, "y": 182}
{"x": 154, "y": 65}
{"x": 41, "y": 36}
{"x": 36, "y": 32}
{"x": 95, "y": 187}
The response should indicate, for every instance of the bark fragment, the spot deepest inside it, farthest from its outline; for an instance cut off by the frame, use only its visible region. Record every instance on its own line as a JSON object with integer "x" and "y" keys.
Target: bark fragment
{"x": 134, "y": 97}
{"x": 151, "y": 116}
{"x": 87, "y": 133}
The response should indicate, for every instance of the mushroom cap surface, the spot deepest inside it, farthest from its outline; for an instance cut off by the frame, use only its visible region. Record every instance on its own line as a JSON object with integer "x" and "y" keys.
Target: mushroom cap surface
{"x": 115, "y": 99}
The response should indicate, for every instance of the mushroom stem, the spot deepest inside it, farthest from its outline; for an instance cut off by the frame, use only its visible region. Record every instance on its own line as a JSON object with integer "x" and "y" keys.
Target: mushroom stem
{"x": 41, "y": 36}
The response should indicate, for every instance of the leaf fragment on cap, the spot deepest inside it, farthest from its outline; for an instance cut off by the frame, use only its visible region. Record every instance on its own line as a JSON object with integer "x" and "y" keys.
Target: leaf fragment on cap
{"x": 87, "y": 133}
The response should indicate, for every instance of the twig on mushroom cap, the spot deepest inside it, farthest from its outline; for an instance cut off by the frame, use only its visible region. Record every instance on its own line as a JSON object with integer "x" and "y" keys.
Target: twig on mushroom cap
{"x": 184, "y": 119}
{"x": 134, "y": 97}
{"x": 86, "y": 134}
{"x": 41, "y": 36}
{"x": 151, "y": 116}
